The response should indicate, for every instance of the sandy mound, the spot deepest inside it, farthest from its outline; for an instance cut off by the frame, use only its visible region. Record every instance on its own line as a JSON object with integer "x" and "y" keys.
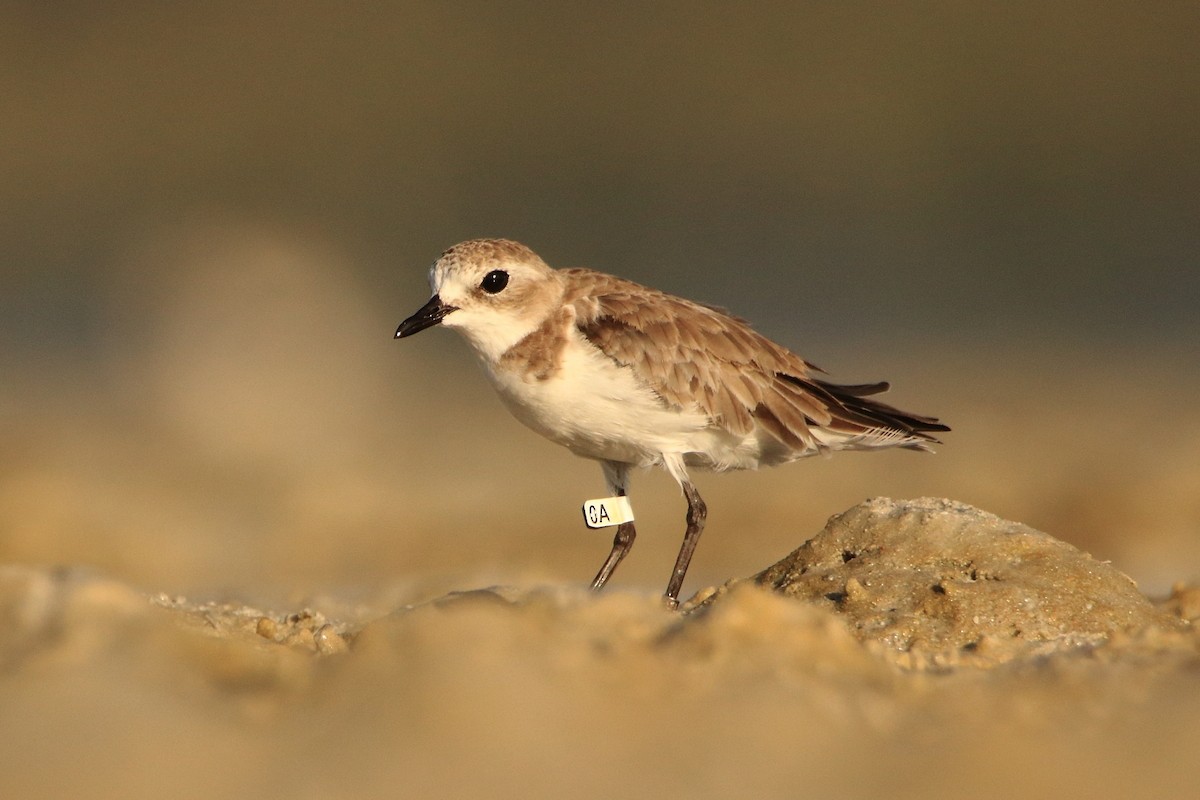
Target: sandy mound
{"x": 936, "y": 583}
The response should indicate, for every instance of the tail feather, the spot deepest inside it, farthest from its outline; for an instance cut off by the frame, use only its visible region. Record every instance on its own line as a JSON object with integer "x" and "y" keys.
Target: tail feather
{"x": 857, "y": 415}
{"x": 858, "y": 389}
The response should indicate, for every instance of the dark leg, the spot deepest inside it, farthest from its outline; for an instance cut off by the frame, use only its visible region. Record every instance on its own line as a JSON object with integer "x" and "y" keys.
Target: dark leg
{"x": 616, "y": 475}
{"x": 621, "y": 544}
{"x": 696, "y": 514}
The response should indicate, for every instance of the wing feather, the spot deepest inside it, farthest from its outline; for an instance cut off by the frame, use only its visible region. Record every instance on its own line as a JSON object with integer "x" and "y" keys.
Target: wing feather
{"x": 699, "y": 357}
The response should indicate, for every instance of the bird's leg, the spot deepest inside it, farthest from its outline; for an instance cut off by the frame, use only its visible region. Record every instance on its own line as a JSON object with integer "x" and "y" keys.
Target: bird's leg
{"x": 696, "y": 514}
{"x": 616, "y": 474}
{"x": 621, "y": 544}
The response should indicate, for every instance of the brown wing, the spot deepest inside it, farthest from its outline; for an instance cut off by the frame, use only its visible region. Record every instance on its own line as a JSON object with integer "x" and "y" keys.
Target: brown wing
{"x": 697, "y": 356}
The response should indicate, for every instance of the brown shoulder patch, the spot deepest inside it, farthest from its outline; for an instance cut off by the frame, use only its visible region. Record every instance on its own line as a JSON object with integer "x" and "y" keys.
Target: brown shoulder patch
{"x": 540, "y": 354}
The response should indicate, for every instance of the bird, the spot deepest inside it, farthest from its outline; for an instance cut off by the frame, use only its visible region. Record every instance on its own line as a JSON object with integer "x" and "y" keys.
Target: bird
{"x": 633, "y": 377}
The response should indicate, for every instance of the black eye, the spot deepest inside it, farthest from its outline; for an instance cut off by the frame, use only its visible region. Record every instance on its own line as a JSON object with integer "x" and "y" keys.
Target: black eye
{"x": 494, "y": 281}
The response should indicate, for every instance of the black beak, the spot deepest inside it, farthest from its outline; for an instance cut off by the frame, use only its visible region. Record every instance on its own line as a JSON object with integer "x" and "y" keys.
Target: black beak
{"x": 427, "y": 316}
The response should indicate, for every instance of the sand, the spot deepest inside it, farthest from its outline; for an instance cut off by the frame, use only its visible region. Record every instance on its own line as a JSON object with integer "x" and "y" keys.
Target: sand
{"x": 911, "y": 648}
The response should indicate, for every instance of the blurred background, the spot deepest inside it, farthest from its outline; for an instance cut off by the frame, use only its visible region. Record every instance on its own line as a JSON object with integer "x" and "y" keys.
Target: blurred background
{"x": 213, "y": 216}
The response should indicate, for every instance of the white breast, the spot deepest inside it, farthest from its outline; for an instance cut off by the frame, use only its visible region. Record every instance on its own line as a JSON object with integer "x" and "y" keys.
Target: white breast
{"x": 597, "y": 408}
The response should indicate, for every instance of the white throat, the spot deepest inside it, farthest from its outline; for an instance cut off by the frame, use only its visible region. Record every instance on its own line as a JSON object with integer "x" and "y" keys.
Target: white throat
{"x": 490, "y": 333}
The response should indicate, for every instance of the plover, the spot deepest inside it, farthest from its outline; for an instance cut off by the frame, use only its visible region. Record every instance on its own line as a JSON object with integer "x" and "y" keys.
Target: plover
{"x": 633, "y": 377}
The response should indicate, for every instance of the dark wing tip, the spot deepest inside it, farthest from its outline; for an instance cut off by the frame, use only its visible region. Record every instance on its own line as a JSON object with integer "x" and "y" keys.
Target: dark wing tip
{"x": 854, "y": 406}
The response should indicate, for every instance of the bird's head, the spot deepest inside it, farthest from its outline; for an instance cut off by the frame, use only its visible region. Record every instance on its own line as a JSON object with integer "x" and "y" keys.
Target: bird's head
{"x": 495, "y": 292}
